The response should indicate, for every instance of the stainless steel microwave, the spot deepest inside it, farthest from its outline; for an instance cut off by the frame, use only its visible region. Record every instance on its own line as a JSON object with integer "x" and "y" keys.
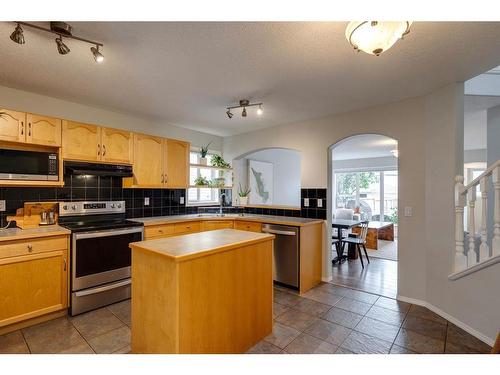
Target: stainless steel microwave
{"x": 29, "y": 165}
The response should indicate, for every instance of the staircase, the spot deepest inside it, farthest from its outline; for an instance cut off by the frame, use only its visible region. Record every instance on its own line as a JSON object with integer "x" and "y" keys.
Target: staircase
{"x": 473, "y": 250}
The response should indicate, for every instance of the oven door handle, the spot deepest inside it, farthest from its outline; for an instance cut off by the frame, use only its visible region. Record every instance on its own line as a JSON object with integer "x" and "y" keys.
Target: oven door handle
{"x": 107, "y": 233}
{"x": 101, "y": 289}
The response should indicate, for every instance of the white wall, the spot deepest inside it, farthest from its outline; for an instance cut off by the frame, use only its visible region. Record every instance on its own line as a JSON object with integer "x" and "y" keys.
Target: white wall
{"x": 382, "y": 163}
{"x": 429, "y": 131}
{"x": 45, "y": 105}
{"x": 286, "y": 177}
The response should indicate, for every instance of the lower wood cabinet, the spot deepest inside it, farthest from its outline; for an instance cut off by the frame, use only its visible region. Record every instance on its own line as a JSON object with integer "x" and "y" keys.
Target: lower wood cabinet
{"x": 33, "y": 278}
{"x": 187, "y": 227}
{"x": 217, "y": 224}
{"x": 250, "y": 226}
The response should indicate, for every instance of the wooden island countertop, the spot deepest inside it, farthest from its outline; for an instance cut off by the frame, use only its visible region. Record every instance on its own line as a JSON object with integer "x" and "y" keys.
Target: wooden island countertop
{"x": 207, "y": 292}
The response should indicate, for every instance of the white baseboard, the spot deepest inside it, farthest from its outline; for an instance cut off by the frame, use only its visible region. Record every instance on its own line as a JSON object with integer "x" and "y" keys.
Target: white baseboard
{"x": 327, "y": 279}
{"x": 488, "y": 340}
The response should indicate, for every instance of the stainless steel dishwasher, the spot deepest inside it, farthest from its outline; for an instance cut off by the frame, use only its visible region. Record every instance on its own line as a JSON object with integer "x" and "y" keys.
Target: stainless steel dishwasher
{"x": 286, "y": 254}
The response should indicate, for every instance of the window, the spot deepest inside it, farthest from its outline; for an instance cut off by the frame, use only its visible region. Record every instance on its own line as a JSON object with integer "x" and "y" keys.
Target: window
{"x": 201, "y": 196}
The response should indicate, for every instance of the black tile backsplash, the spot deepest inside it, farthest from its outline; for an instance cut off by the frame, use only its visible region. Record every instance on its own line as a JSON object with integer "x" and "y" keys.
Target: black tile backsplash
{"x": 161, "y": 201}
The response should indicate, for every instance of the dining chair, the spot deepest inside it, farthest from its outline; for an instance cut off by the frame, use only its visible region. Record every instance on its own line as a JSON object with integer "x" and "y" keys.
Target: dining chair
{"x": 359, "y": 242}
{"x": 344, "y": 214}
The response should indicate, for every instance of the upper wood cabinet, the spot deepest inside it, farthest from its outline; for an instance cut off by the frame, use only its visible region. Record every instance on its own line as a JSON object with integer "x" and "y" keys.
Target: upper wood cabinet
{"x": 43, "y": 130}
{"x": 117, "y": 146}
{"x": 81, "y": 141}
{"x": 148, "y": 162}
{"x": 12, "y": 126}
{"x": 29, "y": 128}
{"x": 177, "y": 164}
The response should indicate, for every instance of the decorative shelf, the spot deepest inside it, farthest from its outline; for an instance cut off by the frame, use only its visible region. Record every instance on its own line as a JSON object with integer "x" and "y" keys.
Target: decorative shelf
{"x": 210, "y": 167}
{"x": 210, "y": 187}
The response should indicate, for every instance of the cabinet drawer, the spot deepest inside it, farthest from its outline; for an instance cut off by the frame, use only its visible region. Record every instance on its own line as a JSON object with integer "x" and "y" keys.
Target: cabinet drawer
{"x": 158, "y": 231}
{"x": 32, "y": 246}
{"x": 248, "y": 225}
{"x": 187, "y": 227}
{"x": 217, "y": 224}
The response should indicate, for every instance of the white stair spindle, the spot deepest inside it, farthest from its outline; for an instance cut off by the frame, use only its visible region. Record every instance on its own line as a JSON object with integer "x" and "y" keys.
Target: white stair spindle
{"x": 484, "y": 249}
{"x": 471, "y": 227}
{"x": 460, "y": 261}
{"x": 495, "y": 243}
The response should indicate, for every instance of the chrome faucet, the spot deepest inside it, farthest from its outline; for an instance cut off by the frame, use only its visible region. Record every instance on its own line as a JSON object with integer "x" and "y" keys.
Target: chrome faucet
{"x": 223, "y": 195}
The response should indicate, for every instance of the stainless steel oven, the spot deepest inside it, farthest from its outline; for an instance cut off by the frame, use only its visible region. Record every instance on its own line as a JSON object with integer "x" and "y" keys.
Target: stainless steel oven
{"x": 28, "y": 165}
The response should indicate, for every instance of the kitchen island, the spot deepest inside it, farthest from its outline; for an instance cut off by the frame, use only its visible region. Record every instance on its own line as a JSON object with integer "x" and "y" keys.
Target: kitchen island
{"x": 208, "y": 292}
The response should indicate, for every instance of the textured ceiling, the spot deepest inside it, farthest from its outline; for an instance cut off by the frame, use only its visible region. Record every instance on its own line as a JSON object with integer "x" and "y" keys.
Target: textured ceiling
{"x": 187, "y": 73}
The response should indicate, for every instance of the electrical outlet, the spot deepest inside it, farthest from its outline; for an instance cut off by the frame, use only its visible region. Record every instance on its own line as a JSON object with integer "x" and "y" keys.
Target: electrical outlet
{"x": 306, "y": 202}
{"x": 182, "y": 200}
{"x": 408, "y": 211}
{"x": 146, "y": 201}
{"x": 320, "y": 203}
{"x": 2, "y": 205}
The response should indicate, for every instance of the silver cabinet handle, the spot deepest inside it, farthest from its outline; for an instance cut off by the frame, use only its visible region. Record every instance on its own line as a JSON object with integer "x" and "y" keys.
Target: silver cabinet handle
{"x": 64, "y": 264}
{"x": 103, "y": 150}
{"x": 282, "y": 232}
{"x": 22, "y": 128}
{"x": 162, "y": 178}
{"x": 98, "y": 149}
{"x": 29, "y": 129}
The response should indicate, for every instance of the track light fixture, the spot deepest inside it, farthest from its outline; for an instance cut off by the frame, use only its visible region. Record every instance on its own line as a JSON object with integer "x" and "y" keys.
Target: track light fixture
{"x": 17, "y": 35}
{"x": 244, "y": 103}
{"x": 61, "y": 29}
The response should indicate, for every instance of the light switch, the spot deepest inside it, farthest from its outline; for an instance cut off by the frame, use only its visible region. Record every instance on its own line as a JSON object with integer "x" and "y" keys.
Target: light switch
{"x": 306, "y": 202}
{"x": 182, "y": 200}
{"x": 2, "y": 205}
{"x": 408, "y": 211}
{"x": 320, "y": 202}
{"x": 146, "y": 201}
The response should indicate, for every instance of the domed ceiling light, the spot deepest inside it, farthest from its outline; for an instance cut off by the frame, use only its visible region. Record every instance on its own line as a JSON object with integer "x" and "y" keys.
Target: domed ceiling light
{"x": 375, "y": 37}
{"x": 244, "y": 103}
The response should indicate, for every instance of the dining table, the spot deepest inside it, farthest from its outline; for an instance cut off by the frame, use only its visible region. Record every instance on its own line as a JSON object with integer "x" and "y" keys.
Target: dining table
{"x": 340, "y": 225}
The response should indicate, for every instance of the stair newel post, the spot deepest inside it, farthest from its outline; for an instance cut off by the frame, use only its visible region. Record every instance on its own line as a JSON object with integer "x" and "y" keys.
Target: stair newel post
{"x": 471, "y": 227}
{"x": 484, "y": 249}
{"x": 495, "y": 243}
{"x": 460, "y": 260}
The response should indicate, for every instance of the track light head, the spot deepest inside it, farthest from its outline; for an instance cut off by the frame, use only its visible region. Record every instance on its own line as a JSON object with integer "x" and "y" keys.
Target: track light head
{"x": 17, "y": 35}
{"x": 62, "y": 48}
{"x": 98, "y": 56}
{"x": 244, "y": 112}
{"x": 259, "y": 110}
{"x": 229, "y": 114}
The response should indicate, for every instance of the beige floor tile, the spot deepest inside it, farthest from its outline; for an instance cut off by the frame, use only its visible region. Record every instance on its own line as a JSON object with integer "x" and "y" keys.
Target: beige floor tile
{"x": 425, "y": 327}
{"x": 342, "y": 350}
{"x": 282, "y": 335}
{"x": 81, "y": 348}
{"x": 296, "y": 319}
{"x": 396, "y": 349}
{"x": 125, "y": 350}
{"x": 263, "y": 347}
{"x": 343, "y": 317}
{"x": 306, "y": 344}
{"x": 419, "y": 343}
{"x": 332, "y": 333}
{"x": 278, "y": 309}
{"x": 393, "y": 304}
{"x": 353, "y": 305}
{"x": 13, "y": 343}
{"x": 312, "y": 307}
{"x": 96, "y": 323}
{"x": 122, "y": 311}
{"x": 386, "y": 315}
{"x": 111, "y": 341}
{"x": 361, "y": 296}
{"x": 53, "y": 336}
{"x": 360, "y": 343}
{"x": 287, "y": 299}
{"x": 322, "y": 297}
{"x": 377, "y": 329}
{"x": 333, "y": 289}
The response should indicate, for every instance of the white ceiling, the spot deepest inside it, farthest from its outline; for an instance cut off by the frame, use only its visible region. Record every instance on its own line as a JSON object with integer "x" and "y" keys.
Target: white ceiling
{"x": 364, "y": 146}
{"x": 187, "y": 73}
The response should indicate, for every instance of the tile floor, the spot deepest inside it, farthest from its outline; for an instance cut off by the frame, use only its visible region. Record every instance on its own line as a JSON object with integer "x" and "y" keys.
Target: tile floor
{"x": 328, "y": 319}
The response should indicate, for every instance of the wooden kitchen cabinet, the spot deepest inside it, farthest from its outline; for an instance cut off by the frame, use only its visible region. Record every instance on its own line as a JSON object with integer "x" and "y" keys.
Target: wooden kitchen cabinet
{"x": 43, "y": 130}
{"x": 81, "y": 141}
{"x": 217, "y": 224}
{"x": 34, "y": 283}
{"x": 177, "y": 164}
{"x": 12, "y": 126}
{"x": 250, "y": 226}
{"x": 117, "y": 146}
{"x": 148, "y": 162}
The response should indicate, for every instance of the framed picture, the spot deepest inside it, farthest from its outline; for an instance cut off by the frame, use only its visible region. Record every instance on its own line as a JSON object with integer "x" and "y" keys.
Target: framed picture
{"x": 260, "y": 175}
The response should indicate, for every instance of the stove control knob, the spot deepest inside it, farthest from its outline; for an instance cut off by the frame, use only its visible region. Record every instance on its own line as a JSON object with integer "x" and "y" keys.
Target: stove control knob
{"x": 65, "y": 207}
{"x": 73, "y": 207}
{"x": 119, "y": 205}
{"x": 112, "y": 205}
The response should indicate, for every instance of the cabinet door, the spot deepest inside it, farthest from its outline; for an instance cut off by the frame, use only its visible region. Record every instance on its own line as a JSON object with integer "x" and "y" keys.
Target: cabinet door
{"x": 177, "y": 164}
{"x": 43, "y": 130}
{"x": 148, "y": 161}
{"x": 12, "y": 126}
{"x": 250, "y": 226}
{"x": 117, "y": 146}
{"x": 81, "y": 141}
{"x": 217, "y": 224}
{"x": 32, "y": 285}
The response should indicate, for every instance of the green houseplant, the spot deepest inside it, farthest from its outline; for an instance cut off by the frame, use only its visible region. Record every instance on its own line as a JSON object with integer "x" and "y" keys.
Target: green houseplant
{"x": 201, "y": 181}
{"x": 219, "y": 162}
{"x": 203, "y": 154}
{"x": 243, "y": 193}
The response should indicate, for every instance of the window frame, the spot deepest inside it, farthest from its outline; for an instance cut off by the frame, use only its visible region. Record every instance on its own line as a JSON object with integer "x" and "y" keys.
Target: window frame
{"x": 215, "y": 193}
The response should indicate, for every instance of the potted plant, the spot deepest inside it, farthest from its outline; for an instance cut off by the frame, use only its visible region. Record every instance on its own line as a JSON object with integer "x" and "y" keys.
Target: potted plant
{"x": 243, "y": 193}
{"x": 201, "y": 181}
{"x": 203, "y": 154}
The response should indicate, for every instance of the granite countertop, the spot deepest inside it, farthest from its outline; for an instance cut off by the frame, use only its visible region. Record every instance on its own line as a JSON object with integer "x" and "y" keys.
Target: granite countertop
{"x": 195, "y": 245}
{"x": 284, "y": 220}
{"x": 19, "y": 234}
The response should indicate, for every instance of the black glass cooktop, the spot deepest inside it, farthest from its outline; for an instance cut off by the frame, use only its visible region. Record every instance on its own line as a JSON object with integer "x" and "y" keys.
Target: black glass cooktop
{"x": 84, "y": 225}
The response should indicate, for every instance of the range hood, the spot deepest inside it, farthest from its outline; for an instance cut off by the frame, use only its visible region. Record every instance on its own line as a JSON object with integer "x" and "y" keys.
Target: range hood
{"x": 97, "y": 169}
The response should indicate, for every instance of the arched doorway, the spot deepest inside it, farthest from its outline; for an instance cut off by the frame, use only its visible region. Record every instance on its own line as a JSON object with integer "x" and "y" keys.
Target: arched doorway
{"x": 363, "y": 186}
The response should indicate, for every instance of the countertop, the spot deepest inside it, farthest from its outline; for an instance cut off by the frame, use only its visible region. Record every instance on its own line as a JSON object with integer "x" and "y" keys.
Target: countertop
{"x": 195, "y": 245}
{"x": 19, "y": 234}
{"x": 283, "y": 220}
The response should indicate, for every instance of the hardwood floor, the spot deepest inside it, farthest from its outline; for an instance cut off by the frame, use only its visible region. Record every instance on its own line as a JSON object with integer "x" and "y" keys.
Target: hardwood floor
{"x": 379, "y": 277}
